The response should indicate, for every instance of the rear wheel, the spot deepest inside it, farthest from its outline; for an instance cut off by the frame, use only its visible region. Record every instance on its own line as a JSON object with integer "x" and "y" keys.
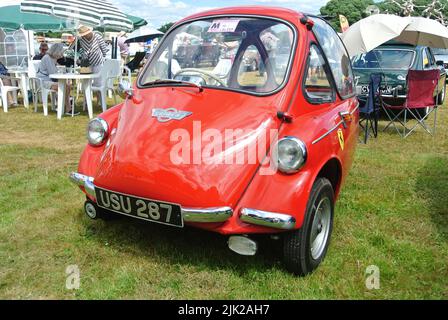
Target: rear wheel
{"x": 305, "y": 249}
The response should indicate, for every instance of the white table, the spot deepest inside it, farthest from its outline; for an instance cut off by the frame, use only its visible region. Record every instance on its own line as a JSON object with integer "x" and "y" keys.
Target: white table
{"x": 86, "y": 80}
{"x": 22, "y": 75}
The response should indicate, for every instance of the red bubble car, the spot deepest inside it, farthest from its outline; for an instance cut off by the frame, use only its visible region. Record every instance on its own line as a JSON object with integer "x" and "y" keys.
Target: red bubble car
{"x": 229, "y": 148}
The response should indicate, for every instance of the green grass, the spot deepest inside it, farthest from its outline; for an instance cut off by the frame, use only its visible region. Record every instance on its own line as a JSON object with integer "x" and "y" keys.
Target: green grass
{"x": 392, "y": 213}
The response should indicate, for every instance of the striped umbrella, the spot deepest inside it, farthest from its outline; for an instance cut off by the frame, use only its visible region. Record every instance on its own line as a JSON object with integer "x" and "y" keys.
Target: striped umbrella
{"x": 95, "y": 13}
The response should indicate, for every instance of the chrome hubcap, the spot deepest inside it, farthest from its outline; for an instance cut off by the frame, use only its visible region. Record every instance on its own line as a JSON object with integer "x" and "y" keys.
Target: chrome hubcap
{"x": 91, "y": 211}
{"x": 320, "y": 229}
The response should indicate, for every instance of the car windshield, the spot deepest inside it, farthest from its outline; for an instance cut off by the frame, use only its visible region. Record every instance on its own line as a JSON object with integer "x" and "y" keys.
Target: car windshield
{"x": 385, "y": 59}
{"x": 440, "y": 51}
{"x": 248, "y": 54}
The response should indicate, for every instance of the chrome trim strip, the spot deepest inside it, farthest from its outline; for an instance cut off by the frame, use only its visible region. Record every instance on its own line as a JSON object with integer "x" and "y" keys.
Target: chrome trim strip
{"x": 205, "y": 215}
{"x": 335, "y": 127}
{"x": 220, "y": 214}
{"x": 268, "y": 219}
{"x": 328, "y": 132}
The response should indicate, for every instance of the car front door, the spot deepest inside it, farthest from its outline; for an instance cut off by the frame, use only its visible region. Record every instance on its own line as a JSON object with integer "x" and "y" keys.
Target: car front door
{"x": 344, "y": 109}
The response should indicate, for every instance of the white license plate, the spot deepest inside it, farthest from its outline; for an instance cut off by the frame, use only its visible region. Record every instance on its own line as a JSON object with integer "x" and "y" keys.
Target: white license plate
{"x": 364, "y": 90}
{"x": 140, "y": 208}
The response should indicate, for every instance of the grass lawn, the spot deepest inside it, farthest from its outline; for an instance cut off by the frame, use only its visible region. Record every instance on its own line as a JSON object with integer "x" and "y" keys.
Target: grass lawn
{"x": 393, "y": 213}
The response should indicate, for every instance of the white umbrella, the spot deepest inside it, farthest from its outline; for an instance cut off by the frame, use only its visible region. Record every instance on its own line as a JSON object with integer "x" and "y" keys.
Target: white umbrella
{"x": 144, "y": 34}
{"x": 424, "y": 32}
{"x": 95, "y": 13}
{"x": 371, "y": 32}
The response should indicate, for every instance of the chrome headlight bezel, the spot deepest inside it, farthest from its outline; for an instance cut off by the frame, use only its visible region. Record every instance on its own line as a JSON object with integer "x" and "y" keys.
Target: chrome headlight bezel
{"x": 102, "y": 130}
{"x": 299, "y": 163}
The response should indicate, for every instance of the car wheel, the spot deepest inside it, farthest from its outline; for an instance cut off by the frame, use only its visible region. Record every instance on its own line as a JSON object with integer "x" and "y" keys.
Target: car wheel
{"x": 441, "y": 96}
{"x": 305, "y": 249}
{"x": 94, "y": 212}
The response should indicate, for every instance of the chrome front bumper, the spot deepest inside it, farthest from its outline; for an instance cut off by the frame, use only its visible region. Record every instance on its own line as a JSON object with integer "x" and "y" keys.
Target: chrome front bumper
{"x": 268, "y": 219}
{"x": 204, "y": 215}
{"x": 210, "y": 215}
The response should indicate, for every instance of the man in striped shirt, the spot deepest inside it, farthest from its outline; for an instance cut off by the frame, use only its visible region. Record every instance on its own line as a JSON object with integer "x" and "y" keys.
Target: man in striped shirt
{"x": 94, "y": 48}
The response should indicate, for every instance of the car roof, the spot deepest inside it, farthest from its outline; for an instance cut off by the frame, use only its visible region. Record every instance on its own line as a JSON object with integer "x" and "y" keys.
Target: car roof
{"x": 275, "y": 12}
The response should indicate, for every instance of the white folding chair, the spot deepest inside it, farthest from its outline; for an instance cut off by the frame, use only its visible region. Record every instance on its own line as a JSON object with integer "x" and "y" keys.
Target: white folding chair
{"x": 4, "y": 94}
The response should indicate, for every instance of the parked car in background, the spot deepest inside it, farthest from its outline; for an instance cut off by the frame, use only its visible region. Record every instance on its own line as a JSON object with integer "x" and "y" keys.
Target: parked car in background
{"x": 394, "y": 60}
{"x": 441, "y": 55}
{"x": 143, "y": 159}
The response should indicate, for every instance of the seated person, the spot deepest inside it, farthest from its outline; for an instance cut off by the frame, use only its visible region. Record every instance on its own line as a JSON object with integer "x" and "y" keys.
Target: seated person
{"x": 48, "y": 66}
{"x": 43, "y": 49}
{"x": 6, "y": 82}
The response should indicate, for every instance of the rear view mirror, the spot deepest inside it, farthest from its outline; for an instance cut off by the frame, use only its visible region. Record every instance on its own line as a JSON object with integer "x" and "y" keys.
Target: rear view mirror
{"x": 440, "y": 63}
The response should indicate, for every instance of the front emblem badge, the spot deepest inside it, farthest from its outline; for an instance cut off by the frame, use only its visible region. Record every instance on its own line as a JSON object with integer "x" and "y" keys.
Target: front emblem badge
{"x": 165, "y": 115}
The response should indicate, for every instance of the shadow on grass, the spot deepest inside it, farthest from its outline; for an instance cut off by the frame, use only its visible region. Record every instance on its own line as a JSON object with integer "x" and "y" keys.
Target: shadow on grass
{"x": 185, "y": 247}
{"x": 432, "y": 186}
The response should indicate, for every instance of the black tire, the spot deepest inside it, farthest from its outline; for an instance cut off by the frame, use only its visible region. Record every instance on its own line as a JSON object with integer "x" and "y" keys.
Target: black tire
{"x": 297, "y": 247}
{"x": 94, "y": 212}
{"x": 441, "y": 96}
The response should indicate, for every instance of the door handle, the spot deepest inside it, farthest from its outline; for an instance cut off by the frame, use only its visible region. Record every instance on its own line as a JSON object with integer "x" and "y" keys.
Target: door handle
{"x": 346, "y": 117}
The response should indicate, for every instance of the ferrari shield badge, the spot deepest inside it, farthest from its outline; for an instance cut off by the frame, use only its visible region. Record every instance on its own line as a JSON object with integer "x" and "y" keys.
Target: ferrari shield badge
{"x": 165, "y": 115}
{"x": 341, "y": 138}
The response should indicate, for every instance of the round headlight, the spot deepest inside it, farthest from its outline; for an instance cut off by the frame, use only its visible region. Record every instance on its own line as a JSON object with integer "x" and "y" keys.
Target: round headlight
{"x": 97, "y": 132}
{"x": 290, "y": 155}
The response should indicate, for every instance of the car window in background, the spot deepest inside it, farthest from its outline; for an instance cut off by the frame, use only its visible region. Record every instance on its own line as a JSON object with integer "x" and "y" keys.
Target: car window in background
{"x": 399, "y": 59}
{"x": 338, "y": 59}
{"x": 318, "y": 88}
{"x": 438, "y": 51}
{"x": 426, "y": 61}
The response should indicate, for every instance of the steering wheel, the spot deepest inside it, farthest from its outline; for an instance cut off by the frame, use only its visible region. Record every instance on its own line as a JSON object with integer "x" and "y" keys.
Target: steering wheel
{"x": 203, "y": 72}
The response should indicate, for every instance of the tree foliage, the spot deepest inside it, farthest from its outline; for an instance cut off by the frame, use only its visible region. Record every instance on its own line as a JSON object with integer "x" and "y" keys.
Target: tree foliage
{"x": 355, "y": 10}
{"x": 166, "y": 27}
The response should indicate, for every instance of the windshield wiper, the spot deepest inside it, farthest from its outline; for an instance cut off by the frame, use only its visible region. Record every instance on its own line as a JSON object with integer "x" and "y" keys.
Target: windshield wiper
{"x": 172, "y": 81}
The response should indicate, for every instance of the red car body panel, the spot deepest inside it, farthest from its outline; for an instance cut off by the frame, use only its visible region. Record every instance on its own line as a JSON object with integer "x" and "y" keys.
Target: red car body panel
{"x": 136, "y": 160}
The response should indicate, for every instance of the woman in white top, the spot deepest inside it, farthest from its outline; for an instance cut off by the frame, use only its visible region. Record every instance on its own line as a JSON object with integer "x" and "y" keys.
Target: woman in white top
{"x": 47, "y": 66}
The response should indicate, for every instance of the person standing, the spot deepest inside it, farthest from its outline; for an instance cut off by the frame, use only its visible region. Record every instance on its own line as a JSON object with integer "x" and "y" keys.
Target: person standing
{"x": 43, "y": 48}
{"x": 124, "y": 47}
{"x": 94, "y": 48}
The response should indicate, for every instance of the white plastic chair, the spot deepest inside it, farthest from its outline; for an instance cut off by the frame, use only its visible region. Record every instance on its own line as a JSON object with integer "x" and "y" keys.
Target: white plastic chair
{"x": 37, "y": 87}
{"x": 116, "y": 74}
{"x": 108, "y": 74}
{"x": 4, "y": 94}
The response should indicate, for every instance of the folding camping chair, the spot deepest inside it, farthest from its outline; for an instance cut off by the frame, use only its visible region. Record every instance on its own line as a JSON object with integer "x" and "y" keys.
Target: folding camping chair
{"x": 134, "y": 64}
{"x": 370, "y": 107}
{"x": 421, "y": 86}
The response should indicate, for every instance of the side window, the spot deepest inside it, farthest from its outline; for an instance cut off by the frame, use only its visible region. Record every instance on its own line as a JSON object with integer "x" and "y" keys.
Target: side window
{"x": 252, "y": 72}
{"x": 432, "y": 59}
{"x": 426, "y": 61}
{"x": 318, "y": 88}
{"x": 337, "y": 55}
